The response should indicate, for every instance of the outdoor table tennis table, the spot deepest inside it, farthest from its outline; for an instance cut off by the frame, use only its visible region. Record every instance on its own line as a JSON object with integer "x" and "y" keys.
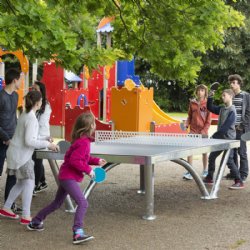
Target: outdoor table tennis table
{"x": 146, "y": 156}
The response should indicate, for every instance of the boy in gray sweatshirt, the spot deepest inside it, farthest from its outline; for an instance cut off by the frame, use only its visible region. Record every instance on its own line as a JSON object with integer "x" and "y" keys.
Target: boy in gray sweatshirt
{"x": 225, "y": 130}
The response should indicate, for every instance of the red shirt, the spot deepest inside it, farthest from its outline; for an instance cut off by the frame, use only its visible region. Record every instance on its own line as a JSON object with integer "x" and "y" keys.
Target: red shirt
{"x": 199, "y": 118}
{"x": 77, "y": 160}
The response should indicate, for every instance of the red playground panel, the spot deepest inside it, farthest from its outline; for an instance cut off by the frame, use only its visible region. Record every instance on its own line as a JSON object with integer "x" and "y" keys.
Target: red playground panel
{"x": 167, "y": 128}
{"x": 72, "y": 113}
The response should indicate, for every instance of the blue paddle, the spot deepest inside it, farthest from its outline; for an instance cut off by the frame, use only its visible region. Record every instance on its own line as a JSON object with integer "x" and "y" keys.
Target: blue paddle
{"x": 100, "y": 175}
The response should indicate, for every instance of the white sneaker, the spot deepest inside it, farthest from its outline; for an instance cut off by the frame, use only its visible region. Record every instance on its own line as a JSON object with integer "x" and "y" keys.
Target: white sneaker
{"x": 187, "y": 176}
{"x": 204, "y": 173}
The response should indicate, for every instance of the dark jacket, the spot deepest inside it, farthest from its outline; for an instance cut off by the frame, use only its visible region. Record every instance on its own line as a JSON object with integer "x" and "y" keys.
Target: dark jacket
{"x": 8, "y": 118}
{"x": 226, "y": 121}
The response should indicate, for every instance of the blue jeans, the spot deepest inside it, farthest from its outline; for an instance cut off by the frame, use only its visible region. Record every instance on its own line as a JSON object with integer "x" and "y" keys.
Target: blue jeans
{"x": 242, "y": 151}
{"x": 230, "y": 163}
{"x": 3, "y": 149}
{"x": 72, "y": 188}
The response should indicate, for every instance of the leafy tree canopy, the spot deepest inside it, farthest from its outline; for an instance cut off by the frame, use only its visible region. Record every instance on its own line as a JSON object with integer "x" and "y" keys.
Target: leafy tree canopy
{"x": 169, "y": 34}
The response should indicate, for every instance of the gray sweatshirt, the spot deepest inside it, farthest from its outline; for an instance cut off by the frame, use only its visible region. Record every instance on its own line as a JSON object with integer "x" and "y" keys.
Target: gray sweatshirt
{"x": 8, "y": 118}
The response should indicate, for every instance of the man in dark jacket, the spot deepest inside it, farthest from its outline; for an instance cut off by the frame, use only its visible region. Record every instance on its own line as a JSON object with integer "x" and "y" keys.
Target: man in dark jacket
{"x": 241, "y": 102}
{"x": 8, "y": 119}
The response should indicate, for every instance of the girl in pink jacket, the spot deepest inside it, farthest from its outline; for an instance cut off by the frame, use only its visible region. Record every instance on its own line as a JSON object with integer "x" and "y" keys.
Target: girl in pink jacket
{"x": 77, "y": 162}
{"x": 199, "y": 121}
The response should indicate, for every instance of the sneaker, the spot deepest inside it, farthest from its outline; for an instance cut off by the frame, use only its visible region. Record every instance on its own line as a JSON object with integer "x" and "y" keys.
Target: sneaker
{"x": 6, "y": 214}
{"x": 204, "y": 173}
{"x": 187, "y": 176}
{"x": 80, "y": 237}
{"x": 237, "y": 185}
{"x": 244, "y": 179}
{"x": 25, "y": 221}
{"x": 208, "y": 181}
{"x": 35, "y": 227}
{"x": 40, "y": 188}
{"x": 229, "y": 176}
{"x": 16, "y": 209}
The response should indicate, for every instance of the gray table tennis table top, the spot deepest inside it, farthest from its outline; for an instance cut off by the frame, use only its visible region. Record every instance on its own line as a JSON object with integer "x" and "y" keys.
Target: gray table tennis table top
{"x": 137, "y": 153}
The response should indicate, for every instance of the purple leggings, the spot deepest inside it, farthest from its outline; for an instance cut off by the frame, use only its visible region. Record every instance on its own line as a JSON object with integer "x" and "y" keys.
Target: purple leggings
{"x": 72, "y": 188}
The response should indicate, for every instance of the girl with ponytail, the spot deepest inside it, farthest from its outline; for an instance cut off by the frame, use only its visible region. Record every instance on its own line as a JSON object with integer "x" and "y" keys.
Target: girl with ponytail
{"x": 19, "y": 157}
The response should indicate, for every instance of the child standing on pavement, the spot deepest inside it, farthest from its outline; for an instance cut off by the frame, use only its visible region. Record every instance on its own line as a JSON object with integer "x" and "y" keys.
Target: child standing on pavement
{"x": 199, "y": 120}
{"x": 76, "y": 162}
{"x": 225, "y": 130}
{"x": 19, "y": 157}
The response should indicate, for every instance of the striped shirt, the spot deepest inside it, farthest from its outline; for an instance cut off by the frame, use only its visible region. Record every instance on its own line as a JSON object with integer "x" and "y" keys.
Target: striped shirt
{"x": 237, "y": 102}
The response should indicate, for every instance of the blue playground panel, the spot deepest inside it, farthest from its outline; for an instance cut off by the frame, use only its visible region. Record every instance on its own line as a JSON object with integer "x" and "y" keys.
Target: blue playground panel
{"x": 125, "y": 70}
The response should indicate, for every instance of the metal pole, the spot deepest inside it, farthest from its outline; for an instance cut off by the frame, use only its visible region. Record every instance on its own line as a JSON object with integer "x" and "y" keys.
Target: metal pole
{"x": 149, "y": 189}
{"x": 223, "y": 163}
{"x": 142, "y": 182}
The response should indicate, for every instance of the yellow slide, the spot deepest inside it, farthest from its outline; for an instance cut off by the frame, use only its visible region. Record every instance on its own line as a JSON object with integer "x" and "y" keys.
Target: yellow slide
{"x": 159, "y": 116}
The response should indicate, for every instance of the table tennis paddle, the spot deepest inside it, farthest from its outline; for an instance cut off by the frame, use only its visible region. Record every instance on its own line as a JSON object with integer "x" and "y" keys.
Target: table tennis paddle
{"x": 214, "y": 86}
{"x": 245, "y": 137}
{"x": 100, "y": 175}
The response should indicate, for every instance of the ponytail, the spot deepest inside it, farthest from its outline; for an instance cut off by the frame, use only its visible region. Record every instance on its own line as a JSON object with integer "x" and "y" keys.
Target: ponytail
{"x": 31, "y": 99}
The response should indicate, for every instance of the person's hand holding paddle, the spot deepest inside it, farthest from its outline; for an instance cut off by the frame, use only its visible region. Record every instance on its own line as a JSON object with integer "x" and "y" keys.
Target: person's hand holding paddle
{"x": 102, "y": 162}
{"x": 214, "y": 86}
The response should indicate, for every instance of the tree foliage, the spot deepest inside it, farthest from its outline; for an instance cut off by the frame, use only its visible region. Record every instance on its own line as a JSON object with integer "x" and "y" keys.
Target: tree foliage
{"x": 234, "y": 57}
{"x": 170, "y": 34}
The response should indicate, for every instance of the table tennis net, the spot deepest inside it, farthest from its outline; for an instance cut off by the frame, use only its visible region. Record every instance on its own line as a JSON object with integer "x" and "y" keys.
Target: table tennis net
{"x": 147, "y": 138}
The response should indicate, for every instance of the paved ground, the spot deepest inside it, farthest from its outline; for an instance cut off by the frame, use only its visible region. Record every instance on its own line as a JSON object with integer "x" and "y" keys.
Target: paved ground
{"x": 184, "y": 221}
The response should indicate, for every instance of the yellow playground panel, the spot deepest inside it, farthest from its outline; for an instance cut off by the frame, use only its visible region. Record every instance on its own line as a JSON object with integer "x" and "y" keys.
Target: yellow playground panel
{"x": 24, "y": 67}
{"x": 131, "y": 108}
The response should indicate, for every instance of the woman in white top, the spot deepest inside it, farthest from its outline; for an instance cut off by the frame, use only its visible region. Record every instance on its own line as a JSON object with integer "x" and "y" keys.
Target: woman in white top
{"x": 43, "y": 116}
{"x": 19, "y": 157}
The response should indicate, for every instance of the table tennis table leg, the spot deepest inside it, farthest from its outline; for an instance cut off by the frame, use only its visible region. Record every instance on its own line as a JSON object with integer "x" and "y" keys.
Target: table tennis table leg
{"x": 195, "y": 175}
{"x": 142, "y": 181}
{"x": 54, "y": 168}
{"x": 149, "y": 191}
{"x": 216, "y": 186}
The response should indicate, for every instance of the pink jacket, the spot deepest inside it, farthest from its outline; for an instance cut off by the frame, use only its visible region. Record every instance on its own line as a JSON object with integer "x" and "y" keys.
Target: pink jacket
{"x": 199, "y": 118}
{"x": 77, "y": 160}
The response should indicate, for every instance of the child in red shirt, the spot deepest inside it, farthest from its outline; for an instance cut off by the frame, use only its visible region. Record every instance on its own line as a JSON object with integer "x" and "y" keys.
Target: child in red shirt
{"x": 199, "y": 120}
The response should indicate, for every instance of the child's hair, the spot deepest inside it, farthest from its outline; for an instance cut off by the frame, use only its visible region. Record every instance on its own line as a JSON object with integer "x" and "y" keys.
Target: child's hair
{"x": 11, "y": 75}
{"x": 82, "y": 125}
{"x": 43, "y": 92}
{"x": 229, "y": 92}
{"x": 31, "y": 99}
{"x": 201, "y": 86}
{"x": 235, "y": 77}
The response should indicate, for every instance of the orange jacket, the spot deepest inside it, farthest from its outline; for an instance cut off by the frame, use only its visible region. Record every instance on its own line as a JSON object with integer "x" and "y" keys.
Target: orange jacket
{"x": 199, "y": 118}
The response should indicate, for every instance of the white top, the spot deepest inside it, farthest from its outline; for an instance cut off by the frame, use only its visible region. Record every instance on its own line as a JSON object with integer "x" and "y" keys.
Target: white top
{"x": 43, "y": 119}
{"x": 24, "y": 141}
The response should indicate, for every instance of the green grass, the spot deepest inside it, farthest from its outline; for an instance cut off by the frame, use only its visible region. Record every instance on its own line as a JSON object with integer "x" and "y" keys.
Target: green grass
{"x": 177, "y": 115}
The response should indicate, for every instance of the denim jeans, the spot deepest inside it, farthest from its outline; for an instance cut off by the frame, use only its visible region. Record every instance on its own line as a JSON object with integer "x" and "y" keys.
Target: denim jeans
{"x": 230, "y": 163}
{"x": 3, "y": 149}
{"x": 242, "y": 152}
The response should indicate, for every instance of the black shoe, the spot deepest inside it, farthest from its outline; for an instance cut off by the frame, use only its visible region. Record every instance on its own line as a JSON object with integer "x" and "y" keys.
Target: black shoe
{"x": 40, "y": 188}
{"x": 229, "y": 176}
{"x": 35, "y": 227}
{"x": 16, "y": 209}
{"x": 80, "y": 237}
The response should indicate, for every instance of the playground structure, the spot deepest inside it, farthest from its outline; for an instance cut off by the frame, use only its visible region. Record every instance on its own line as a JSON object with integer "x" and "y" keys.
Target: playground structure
{"x": 114, "y": 94}
{"x": 24, "y": 63}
